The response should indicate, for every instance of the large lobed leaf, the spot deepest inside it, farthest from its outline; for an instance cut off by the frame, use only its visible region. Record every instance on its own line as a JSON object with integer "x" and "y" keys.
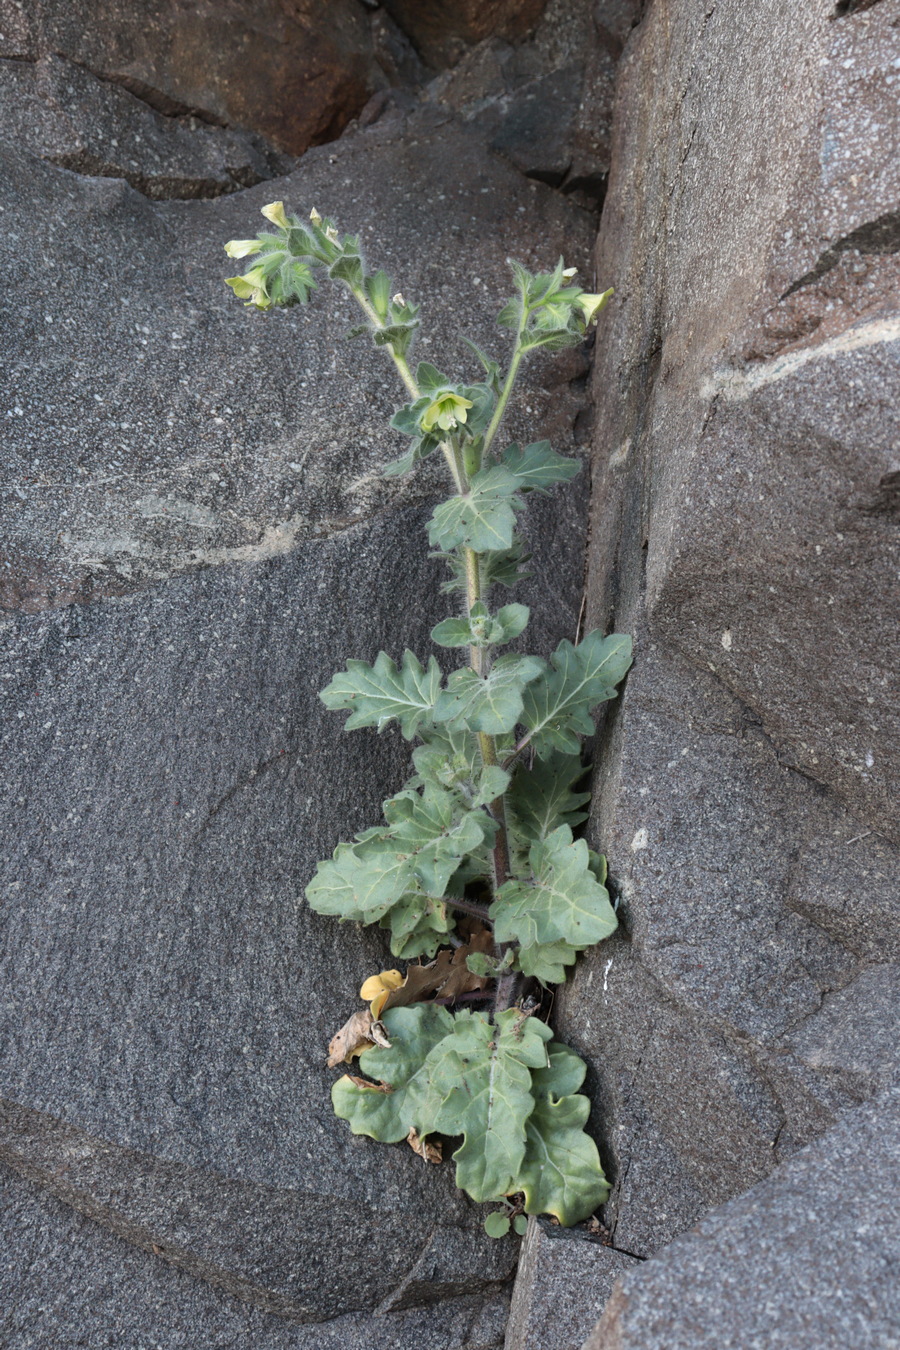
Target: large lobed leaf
{"x": 557, "y": 707}
{"x": 541, "y": 799}
{"x": 562, "y": 902}
{"x": 537, "y": 467}
{"x": 561, "y": 1172}
{"x": 493, "y": 703}
{"x": 483, "y": 518}
{"x": 382, "y": 693}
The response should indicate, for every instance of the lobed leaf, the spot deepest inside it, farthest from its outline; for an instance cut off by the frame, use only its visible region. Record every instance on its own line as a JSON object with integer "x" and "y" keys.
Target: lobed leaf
{"x": 538, "y": 467}
{"x": 382, "y": 693}
{"x": 541, "y": 799}
{"x": 492, "y": 703}
{"x": 433, "y": 833}
{"x": 562, "y": 903}
{"x": 557, "y": 706}
{"x": 413, "y": 1033}
{"x": 477, "y": 1083}
{"x": 561, "y": 1173}
{"x": 483, "y": 518}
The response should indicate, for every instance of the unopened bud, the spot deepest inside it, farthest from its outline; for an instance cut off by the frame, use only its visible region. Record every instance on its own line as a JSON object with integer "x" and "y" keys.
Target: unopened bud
{"x": 315, "y": 217}
{"x": 398, "y": 300}
{"x": 570, "y": 272}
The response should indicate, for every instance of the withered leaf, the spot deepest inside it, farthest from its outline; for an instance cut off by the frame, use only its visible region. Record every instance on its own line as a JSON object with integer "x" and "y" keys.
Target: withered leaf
{"x": 354, "y": 1037}
{"x": 432, "y": 1153}
{"x": 447, "y": 976}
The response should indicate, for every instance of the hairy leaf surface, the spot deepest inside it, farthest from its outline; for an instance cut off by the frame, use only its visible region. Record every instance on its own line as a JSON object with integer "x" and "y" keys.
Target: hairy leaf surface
{"x": 482, "y": 518}
{"x": 542, "y": 798}
{"x": 564, "y": 901}
{"x": 561, "y": 1172}
{"x": 557, "y": 707}
{"x": 492, "y": 704}
{"x": 382, "y": 693}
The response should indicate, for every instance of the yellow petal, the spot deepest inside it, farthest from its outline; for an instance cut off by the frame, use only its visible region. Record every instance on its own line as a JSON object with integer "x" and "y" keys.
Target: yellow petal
{"x": 315, "y": 217}
{"x": 380, "y": 984}
{"x": 242, "y": 248}
{"x": 275, "y": 212}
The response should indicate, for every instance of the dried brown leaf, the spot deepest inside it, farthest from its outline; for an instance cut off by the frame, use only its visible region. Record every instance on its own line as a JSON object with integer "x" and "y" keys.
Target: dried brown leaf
{"x": 354, "y": 1037}
{"x": 432, "y": 1153}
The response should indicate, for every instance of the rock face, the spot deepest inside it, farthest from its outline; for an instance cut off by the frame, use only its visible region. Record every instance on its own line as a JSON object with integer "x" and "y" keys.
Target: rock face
{"x": 295, "y": 73}
{"x": 441, "y": 28}
{"x": 744, "y": 527}
{"x": 66, "y": 115}
{"x": 65, "y": 1282}
{"x": 196, "y": 536}
{"x": 806, "y": 1258}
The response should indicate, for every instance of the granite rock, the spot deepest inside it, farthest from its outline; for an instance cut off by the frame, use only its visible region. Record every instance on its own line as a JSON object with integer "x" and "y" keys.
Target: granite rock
{"x": 294, "y": 73}
{"x": 743, "y": 529}
{"x": 65, "y": 1281}
{"x": 563, "y": 1281}
{"x": 196, "y": 536}
{"x": 806, "y": 1260}
{"x": 441, "y": 29}
{"x": 66, "y": 115}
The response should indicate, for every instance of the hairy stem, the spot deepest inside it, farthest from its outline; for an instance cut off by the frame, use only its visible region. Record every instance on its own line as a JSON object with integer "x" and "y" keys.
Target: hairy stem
{"x": 468, "y": 907}
{"x": 508, "y": 383}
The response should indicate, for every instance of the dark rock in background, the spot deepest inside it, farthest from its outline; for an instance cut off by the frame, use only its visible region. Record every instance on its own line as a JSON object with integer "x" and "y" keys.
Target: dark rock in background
{"x": 195, "y": 536}
{"x": 66, "y": 115}
{"x": 296, "y": 74}
{"x": 441, "y": 29}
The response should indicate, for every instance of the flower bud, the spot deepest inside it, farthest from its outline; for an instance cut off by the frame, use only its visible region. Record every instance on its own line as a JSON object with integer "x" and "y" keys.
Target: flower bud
{"x": 242, "y": 248}
{"x": 570, "y": 272}
{"x": 315, "y": 217}
{"x": 275, "y": 212}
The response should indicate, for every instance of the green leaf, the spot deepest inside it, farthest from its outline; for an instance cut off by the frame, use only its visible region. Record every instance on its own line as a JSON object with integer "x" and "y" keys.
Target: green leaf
{"x": 561, "y": 1172}
{"x": 448, "y": 759}
{"x": 361, "y": 881}
{"x": 492, "y": 784}
{"x": 482, "y": 629}
{"x": 557, "y": 706}
{"x": 347, "y": 268}
{"x": 496, "y": 1225}
{"x": 499, "y": 567}
{"x": 520, "y": 1224}
{"x": 413, "y": 1032}
{"x": 546, "y": 962}
{"x": 418, "y": 924}
{"x": 483, "y": 518}
{"x": 491, "y": 367}
{"x": 537, "y": 467}
{"x": 542, "y": 798}
{"x": 379, "y": 694}
{"x": 479, "y": 1085}
{"x": 396, "y": 335}
{"x": 564, "y": 901}
{"x": 492, "y": 704}
{"x": 378, "y": 289}
{"x": 429, "y": 378}
{"x": 433, "y": 833}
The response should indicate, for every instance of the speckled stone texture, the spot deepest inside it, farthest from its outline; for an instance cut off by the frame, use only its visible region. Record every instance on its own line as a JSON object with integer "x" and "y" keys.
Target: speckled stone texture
{"x": 65, "y": 1282}
{"x": 807, "y": 1260}
{"x": 195, "y": 536}
{"x": 744, "y": 528}
{"x": 564, "y": 1280}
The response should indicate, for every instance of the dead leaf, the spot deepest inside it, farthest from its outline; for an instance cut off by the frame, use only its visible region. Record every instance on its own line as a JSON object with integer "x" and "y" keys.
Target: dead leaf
{"x": 354, "y": 1037}
{"x": 378, "y": 1032}
{"x": 432, "y": 1153}
{"x": 364, "y": 1083}
{"x": 447, "y": 976}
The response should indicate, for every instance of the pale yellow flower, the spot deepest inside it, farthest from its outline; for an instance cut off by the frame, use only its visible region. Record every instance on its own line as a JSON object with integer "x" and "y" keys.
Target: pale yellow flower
{"x": 275, "y": 212}
{"x": 591, "y": 305}
{"x": 242, "y": 248}
{"x": 447, "y": 412}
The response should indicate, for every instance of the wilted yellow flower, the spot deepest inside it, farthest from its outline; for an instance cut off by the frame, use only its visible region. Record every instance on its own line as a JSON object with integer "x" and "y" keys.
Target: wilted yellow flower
{"x": 251, "y": 287}
{"x": 242, "y": 248}
{"x": 377, "y": 987}
{"x": 446, "y": 412}
{"x": 591, "y": 305}
{"x": 275, "y": 212}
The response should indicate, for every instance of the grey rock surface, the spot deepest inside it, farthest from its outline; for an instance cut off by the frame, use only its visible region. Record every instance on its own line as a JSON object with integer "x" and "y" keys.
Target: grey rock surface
{"x": 66, "y": 1282}
{"x": 563, "y": 1281}
{"x": 744, "y": 530}
{"x": 195, "y": 536}
{"x": 66, "y": 115}
{"x": 806, "y": 1260}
